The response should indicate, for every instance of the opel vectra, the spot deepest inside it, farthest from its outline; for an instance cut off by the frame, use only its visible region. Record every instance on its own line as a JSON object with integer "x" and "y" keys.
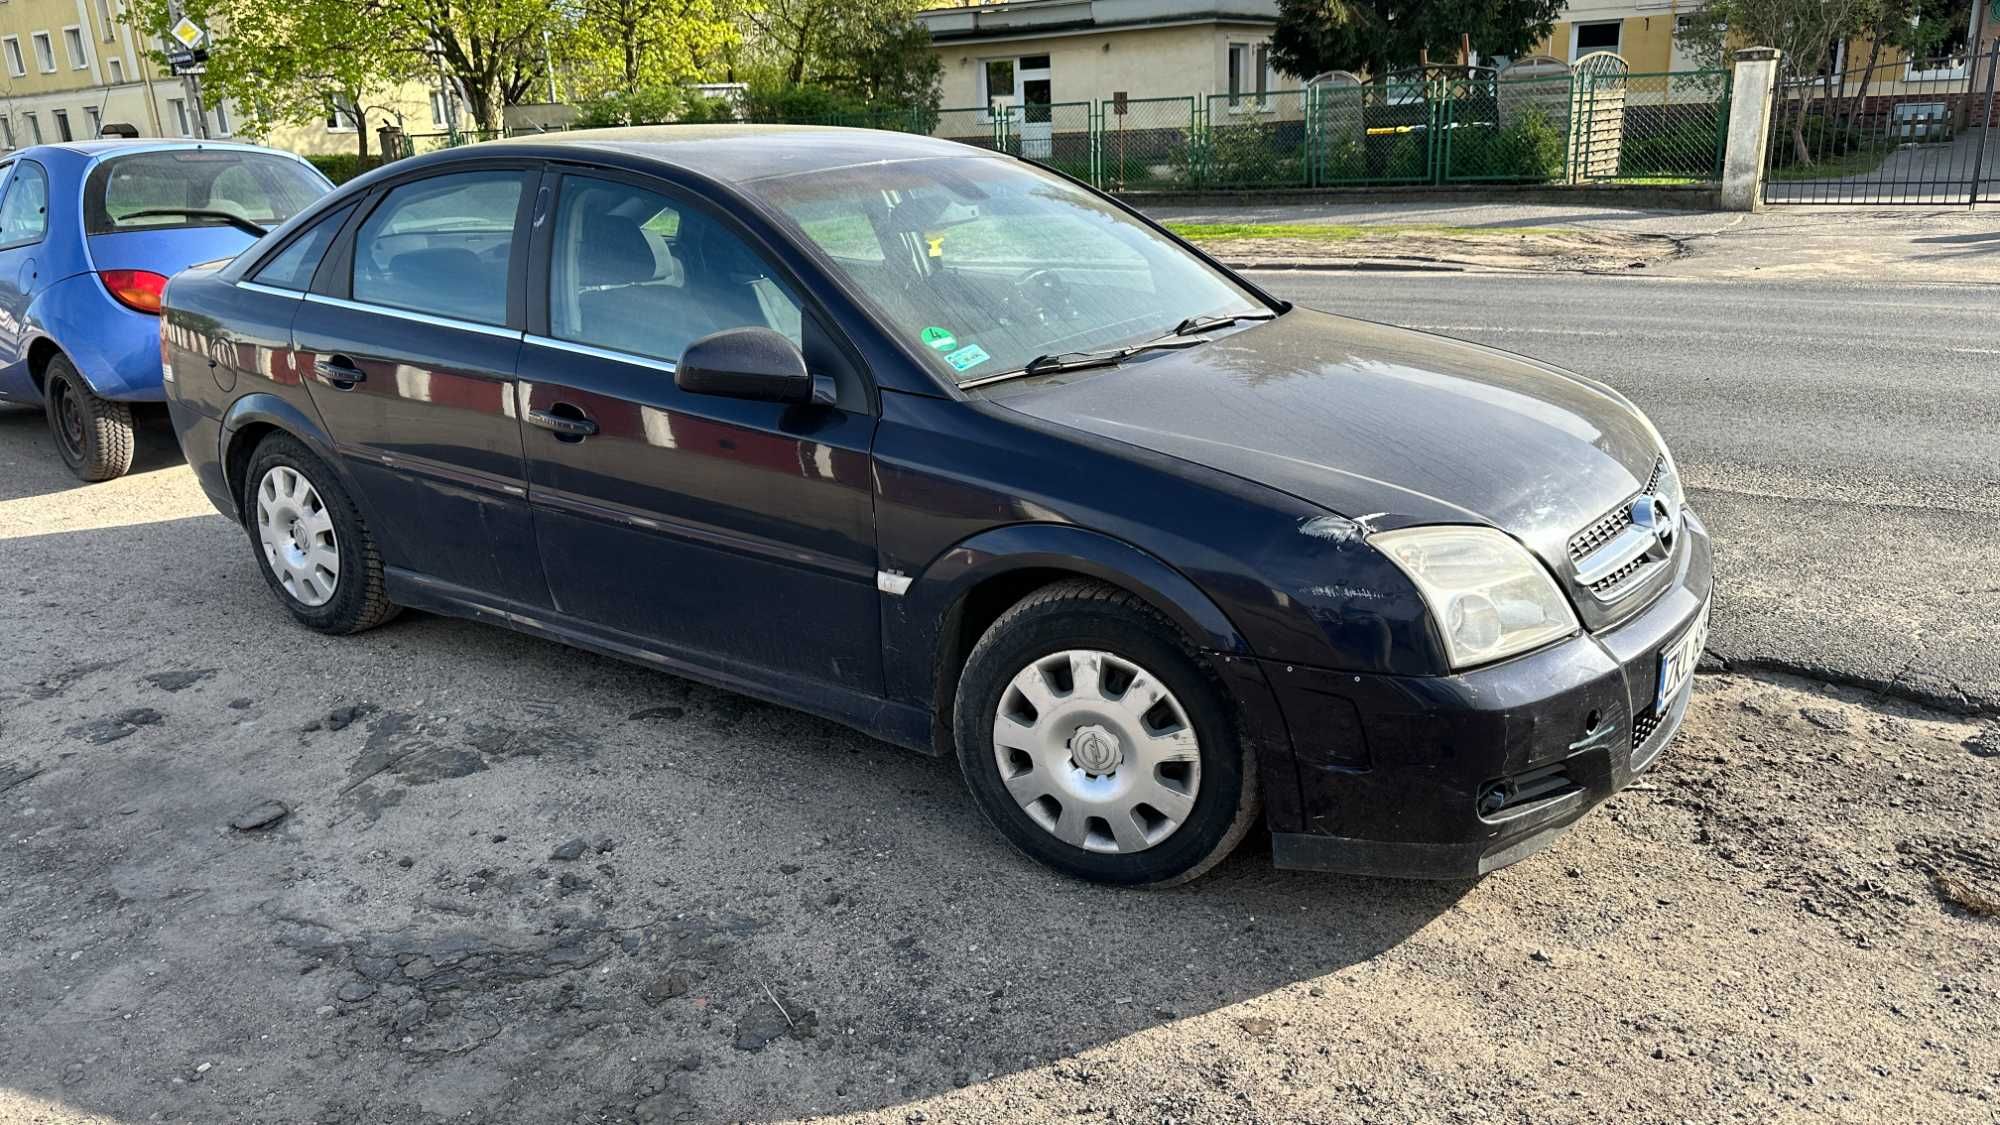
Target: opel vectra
{"x": 951, "y": 449}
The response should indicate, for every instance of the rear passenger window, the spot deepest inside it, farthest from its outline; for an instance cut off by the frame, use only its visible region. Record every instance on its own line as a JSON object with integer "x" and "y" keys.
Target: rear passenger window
{"x": 24, "y": 214}
{"x": 293, "y": 267}
{"x": 441, "y": 246}
{"x": 633, "y": 271}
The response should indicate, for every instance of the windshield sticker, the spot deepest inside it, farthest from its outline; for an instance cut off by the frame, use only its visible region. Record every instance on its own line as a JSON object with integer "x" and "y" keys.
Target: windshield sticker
{"x": 967, "y": 357}
{"x": 936, "y": 244}
{"x": 939, "y": 338}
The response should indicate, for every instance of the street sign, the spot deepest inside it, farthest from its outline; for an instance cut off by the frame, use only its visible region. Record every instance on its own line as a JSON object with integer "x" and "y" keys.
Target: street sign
{"x": 188, "y": 33}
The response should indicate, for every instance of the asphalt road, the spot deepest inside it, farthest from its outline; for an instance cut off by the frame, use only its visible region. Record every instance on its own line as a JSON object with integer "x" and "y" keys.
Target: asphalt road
{"x": 1842, "y": 440}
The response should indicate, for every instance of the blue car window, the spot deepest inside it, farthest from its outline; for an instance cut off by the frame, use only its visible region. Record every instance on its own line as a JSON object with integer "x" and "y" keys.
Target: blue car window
{"x": 293, "y": 267}
{"x": 441, "y": 246}
{"x": 196, "y": 187}
{"x": 24, "y": 214}
{"x": 633, "y": 271}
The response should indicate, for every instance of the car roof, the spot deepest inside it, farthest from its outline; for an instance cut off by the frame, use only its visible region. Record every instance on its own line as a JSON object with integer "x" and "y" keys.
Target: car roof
{"x": 745, "y": 153}
{"x": 101, "y": 146}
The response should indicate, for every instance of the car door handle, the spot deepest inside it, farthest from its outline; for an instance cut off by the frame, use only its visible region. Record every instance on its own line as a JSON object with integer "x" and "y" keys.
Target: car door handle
{"x": 338, "y": 373}
{"x": 572, "y": 427}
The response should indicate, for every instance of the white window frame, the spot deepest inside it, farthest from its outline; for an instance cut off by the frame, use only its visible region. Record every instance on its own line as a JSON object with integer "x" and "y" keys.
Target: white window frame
{"x": 338, "y": 121}
{"x": 7, "y": 131}
{"x": 1911, "y": 74}
{"x": 62, "y": 125}
{"x": 96, "y": 118}
{"x": 1257, "y": 98}
{"x": 17, "y": 63}
{"x": 220, "y": 112}
{"x": 1022, "y": 76}
{"x": 115, "y": 70}
{"x": 104, "y": 17}
{"x": 34, "y": 127}
{"x": 77, "y": 46}
{"x": 1578, "y": 26}
{"x": 45, "y": 52}
{"x": 179, "y": 108}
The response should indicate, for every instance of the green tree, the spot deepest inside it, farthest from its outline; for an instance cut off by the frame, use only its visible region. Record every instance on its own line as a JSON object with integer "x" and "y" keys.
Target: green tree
{"x": 870, "y": 50}
{"x": 619, "y": 48}
{"x": 495, "y": 51}
{"x": 293, "y": 62}
{"x": 1377, "y": 36}
{"x": 1806, "y": 32}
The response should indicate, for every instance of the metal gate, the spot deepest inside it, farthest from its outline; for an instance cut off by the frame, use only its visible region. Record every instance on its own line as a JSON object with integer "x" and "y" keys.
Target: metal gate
{"x": 1888, "y": 133}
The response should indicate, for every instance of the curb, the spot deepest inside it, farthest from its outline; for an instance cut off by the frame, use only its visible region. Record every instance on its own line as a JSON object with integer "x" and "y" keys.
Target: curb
{"x": 1425, "y": 266}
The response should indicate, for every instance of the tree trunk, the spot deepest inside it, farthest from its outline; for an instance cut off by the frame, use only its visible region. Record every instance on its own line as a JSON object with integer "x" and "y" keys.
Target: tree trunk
{"x": 1859, "y": 104}
{"x": 483, "y": 102}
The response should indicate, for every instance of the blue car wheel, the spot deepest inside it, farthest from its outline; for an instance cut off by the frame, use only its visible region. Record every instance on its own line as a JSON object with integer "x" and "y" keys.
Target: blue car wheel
{"x": 93, "y": 435}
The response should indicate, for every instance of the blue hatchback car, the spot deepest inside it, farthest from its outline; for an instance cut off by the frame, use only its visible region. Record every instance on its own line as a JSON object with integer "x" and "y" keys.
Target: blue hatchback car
{"x": 89, "y": 233}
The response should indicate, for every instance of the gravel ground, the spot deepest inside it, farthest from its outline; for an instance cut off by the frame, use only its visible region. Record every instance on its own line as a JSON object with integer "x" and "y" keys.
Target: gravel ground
{"x": 441, "y": 872}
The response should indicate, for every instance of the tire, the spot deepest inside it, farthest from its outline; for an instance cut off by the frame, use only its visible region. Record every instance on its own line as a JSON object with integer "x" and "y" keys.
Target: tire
{"x": 93, "y": 435}
{"x": 1122, "y": 767}
{"x": 310, "y": 542}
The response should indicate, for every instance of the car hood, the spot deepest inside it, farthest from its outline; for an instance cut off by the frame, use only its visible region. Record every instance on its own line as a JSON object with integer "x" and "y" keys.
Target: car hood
{"x": 1381, "y": 424}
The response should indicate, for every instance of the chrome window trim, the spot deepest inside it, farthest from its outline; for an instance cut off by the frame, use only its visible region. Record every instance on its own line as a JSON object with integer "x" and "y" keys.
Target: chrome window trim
{"x": 666, "y": 365}
{"x": 273, "y": 290}
{"x": 416, "y": 317}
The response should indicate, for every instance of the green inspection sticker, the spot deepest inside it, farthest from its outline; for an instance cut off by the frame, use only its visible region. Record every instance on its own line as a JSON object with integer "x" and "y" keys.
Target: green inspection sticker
{"x": 969, "y": 356}
{"x": 939, "y": 338}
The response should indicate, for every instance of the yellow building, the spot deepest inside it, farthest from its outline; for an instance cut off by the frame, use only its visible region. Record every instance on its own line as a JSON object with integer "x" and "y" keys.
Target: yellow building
{"x": 68, "y": 68}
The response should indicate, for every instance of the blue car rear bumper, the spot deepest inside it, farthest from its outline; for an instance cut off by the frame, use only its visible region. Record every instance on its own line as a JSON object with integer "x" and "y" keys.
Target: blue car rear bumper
{"x": 116, "y": 349}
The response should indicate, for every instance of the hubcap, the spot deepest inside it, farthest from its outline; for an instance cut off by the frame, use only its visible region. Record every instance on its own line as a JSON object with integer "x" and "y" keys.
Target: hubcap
{"x": 1097, "y": 751}
{"x": 297, "y": 534}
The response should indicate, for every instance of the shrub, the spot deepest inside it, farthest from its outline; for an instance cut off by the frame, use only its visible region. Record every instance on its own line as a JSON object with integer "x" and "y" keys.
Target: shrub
{"x": 775, "y": 101}
{"x": 341, "y": 167}
{"x": 646, "y": 106}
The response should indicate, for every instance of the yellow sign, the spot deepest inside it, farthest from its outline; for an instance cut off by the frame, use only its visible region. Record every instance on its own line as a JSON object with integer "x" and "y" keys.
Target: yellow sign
{"x": 187, "y": 33}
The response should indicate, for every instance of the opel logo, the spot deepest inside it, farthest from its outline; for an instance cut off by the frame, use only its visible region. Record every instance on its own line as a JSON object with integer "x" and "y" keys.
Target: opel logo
{"x": 1657, "y": 515}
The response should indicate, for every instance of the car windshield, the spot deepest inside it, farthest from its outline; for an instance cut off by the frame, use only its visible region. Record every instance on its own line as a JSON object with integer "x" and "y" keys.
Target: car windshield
{"x": 990, "y": 264}
{"x": 196, "y": 187}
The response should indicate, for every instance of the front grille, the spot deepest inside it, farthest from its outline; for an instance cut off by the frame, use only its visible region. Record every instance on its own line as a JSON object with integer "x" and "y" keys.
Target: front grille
{"x": 1612, "y": 522}
{"x": 1605, "y": 586}
{"x": 1603, "y": 531}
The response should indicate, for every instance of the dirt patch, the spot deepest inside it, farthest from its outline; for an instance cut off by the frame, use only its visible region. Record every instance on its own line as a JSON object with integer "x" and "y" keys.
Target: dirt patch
{"x": 774, "y": 918}
{"x": 1573, "y": 251}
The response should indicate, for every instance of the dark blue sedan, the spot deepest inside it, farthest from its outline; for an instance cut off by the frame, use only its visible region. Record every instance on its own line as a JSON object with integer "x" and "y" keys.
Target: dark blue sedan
{"x": 89, "y": 233}
{"x": 942, "y": 445}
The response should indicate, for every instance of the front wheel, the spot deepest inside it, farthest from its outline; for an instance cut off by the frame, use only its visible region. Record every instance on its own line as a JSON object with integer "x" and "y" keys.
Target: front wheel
{"x": 1090, "y": 734}
{"x": 93, "y": 435}
{"x": 312, "y": 546}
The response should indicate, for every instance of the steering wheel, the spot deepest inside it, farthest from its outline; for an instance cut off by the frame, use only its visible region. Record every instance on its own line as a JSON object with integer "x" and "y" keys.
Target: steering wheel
{"x": 1044, "y": 296}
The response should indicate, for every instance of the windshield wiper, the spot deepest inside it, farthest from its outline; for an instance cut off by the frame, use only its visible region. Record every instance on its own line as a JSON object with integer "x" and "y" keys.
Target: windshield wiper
{"x": 1204, "y": 323}
{"x": 230, "y": 217}
{"x": 1077, "y": 361}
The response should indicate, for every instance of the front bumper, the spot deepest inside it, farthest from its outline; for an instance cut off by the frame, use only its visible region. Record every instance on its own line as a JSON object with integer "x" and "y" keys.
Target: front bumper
{"x": 1393, "y": 769}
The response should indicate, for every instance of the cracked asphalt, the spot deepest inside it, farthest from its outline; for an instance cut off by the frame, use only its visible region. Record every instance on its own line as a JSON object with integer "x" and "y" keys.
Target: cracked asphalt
{"x": 442, "y": 873}
{"x": 1841, "y": 439}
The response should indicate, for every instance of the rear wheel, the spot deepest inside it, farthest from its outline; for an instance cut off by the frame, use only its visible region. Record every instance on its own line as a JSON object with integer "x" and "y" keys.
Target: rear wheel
{"x": 1092, "y": 736}
{"x": 311, "y": 543}
{"x": 93, "y": 435}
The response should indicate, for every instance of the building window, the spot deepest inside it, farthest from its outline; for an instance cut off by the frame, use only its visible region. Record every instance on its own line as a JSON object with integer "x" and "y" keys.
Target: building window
{"x": 1587, "y": 37}
{"x": 1947, "y": 58}
{"x": 1024, "y": 80}
{"x": 79, "y": 55}
{"x": 96, "y": 120}
{"x": 1250, "y": 74}
{"x": 440, "y": 107}
{"x": 34, "y": 128}
{"x": 104, "y": 20}
{"x": 45, "y": 52}
{"x": 6, "y": 132}
{"x": 179, "y": 108}
{"x": 340, "y": 114}
{"x": 62, "y": 126}
{"x": 12, "y": 45}
{"x": 221, "y": 119}
{"x": 117, "y": 67}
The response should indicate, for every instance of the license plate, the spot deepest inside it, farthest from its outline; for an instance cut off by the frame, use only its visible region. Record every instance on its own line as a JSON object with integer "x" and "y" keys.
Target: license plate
{"x": 1677, "y": 662}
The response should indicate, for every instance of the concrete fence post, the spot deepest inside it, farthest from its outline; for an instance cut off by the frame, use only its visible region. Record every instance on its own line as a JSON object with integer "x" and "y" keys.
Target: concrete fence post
{"x": 1743, "y": 156}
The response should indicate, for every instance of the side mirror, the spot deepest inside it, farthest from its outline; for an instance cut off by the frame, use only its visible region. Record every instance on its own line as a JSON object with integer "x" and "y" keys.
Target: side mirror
{"x": 753, "y": 363}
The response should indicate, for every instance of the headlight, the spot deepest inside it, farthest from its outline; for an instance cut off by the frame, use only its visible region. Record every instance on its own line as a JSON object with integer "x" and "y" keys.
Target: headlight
{"x": 1489, "y": 596}
{"x": 1670, "y": 480}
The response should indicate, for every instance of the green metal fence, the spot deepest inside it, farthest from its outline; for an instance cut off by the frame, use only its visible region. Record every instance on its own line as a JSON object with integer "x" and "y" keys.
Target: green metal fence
{"x": 1429, "y": 126}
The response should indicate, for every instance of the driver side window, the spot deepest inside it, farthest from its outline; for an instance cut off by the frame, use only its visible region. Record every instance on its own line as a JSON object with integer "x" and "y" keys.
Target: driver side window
{"x": 634, "y": 271}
